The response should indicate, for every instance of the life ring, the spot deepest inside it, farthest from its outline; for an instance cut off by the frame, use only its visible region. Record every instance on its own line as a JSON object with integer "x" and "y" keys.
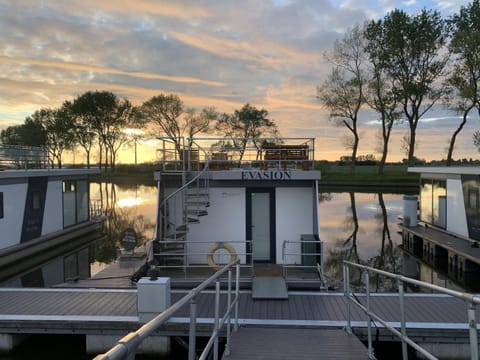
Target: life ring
{"x": 218, "y": 246}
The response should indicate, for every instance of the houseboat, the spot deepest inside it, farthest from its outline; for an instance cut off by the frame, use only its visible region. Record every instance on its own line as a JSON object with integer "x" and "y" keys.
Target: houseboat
{"x": 252, "y": 199}
{"x": 44, "y": 213}
{"x": 442, "y": 227}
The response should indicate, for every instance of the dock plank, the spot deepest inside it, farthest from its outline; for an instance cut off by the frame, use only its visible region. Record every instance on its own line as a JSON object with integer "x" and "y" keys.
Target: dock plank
{"x": 294, "y": 343}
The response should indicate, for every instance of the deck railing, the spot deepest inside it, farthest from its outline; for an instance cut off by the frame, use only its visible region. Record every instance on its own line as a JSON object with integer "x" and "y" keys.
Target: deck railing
{"x": 470, "y": 299}
{"x": 232, "y": 153}
{"x": 127, "y": 346}
{"x": 23, "y": 157}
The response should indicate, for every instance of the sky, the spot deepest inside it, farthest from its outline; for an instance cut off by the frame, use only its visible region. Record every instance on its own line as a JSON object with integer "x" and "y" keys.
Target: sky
{"x": 223, "y": 53}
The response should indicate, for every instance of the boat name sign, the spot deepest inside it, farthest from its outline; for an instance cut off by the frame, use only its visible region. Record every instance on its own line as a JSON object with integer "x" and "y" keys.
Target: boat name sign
{"x": 266, "y": 175}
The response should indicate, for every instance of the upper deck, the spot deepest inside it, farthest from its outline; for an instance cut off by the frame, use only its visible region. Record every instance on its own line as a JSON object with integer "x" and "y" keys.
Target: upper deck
{"x": 219, "y": 154}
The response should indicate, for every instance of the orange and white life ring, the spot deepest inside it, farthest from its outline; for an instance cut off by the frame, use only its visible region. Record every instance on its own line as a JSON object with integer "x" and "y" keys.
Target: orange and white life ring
{"x": 218, "y": 246}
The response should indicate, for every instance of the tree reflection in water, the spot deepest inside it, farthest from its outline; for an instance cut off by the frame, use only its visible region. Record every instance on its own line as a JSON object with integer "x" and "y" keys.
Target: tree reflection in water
{"x": 120, "y": 213}
{"x": 369, "y": 243}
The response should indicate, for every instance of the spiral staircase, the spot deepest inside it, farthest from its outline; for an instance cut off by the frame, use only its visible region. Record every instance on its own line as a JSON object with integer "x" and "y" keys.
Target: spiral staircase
{"x": 184, "y": 206}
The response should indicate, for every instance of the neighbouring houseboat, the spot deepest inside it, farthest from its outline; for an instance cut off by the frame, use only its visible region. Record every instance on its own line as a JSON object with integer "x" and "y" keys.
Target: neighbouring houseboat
{"x": 44, "y": 213}
{"x": 446, "y": 232}
{"x": 253, "y": 199}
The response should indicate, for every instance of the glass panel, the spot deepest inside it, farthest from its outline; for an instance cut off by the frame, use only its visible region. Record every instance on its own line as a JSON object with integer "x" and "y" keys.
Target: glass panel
{"x": 261, "y": 226}
{"x": 1, "y": 205}
{"x": 426, "y": 193}
{"x": 68, "y": 204}
{"x": 82, "y": 201}
{"x": 84, "y": 263}
{"x": 439, "y": 203}
{"x": 70, "y": 266}
{"x": 471, "y": 191}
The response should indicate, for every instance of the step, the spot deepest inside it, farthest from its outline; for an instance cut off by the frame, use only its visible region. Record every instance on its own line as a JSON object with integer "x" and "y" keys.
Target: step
{"x": 176, "y": 235}
{"x": 192, "y": 220}
{"x": 198, "y": 203}
{"x": 197, "y": 212}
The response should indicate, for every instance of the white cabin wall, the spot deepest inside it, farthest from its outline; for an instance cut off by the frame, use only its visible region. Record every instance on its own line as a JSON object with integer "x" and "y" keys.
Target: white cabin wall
{"x": 456, "y": 216}
{"x": 14, "y": 197}
{"x": 53, "y": 216}
{"x": 226, "y": 215}
{"x": 294, "y": 209}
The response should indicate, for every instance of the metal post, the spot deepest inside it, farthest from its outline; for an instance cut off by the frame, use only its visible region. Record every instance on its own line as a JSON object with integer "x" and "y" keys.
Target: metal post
{"x": 237, "y": 295}
{"x": 217, "y": 320}
{"x": 472, "y": 330}
{"x": 229, "y": 317}
{"x": 347, "y": 293}
{"x": 401, "y": 293}
{"x": 367, "y": 291}
{"x": 193, "y": 328}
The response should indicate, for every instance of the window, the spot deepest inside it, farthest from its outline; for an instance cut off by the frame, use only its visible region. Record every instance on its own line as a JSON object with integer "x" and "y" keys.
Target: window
{"x": 1, "y": 205}
{"x": 75, "y": 202}
{"x": 36, "y": 200}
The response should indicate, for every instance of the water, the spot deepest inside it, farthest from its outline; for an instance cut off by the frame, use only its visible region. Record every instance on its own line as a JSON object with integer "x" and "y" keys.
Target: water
{"x": 357, "y": 226}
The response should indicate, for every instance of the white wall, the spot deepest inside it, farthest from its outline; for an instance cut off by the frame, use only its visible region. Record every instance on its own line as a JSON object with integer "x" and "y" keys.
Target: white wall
{"x": 53, "y": 216}
{"x": 14, "y": 197}
{"x": 225, "y": 222}
{"x": 456, "y": 217}
{"x": 294, "y": 208}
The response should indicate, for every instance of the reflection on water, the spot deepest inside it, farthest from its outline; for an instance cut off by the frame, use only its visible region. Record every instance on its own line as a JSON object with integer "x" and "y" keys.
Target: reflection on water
{"x": 125, "y": 206}
{"x": 362, "y": 228}
{"x": 356, "y": 226}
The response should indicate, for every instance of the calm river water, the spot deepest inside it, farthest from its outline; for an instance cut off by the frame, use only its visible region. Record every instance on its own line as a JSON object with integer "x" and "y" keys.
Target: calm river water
{"x": 357, "y": 226}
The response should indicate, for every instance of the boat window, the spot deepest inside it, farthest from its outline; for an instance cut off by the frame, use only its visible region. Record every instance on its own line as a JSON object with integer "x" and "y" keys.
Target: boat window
{"x": 36, "y": 200}
{"x": 1, "y": 205}
{"x": 433, "y": 202}
{"x": 75, "y": 202}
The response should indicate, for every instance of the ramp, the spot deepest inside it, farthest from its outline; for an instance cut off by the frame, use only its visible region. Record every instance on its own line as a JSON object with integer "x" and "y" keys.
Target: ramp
{"x": 269, "y": 287}
{"x": 257, "y": 343}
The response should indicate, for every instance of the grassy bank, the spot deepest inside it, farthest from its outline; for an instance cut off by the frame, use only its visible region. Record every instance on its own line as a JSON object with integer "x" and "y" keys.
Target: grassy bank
{"x": 393, "y": 174}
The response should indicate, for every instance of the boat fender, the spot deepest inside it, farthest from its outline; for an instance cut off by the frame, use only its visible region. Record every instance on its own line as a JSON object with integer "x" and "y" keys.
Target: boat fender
{"x": 218, "y": 246}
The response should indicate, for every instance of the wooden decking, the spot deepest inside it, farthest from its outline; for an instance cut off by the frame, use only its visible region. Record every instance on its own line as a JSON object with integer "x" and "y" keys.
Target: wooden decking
{"x": 273, "y": 343}
{"x": 72, "y": 307}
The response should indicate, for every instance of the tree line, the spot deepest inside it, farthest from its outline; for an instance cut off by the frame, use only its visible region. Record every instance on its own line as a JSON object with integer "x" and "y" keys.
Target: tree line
{"x": 401, "y": 66}
{"x": 96, "y": 122}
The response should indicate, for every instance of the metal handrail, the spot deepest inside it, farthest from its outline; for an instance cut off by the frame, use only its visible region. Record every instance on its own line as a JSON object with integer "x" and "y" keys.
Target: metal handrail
{"x": 126, "y": 347}
{"x": 472, "y": 301}
{"x": 164, "y": 202}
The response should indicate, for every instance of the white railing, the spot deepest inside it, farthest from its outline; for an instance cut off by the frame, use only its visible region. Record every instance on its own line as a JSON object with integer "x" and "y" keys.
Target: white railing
{"x": 470, "y": 299}
{"x": 295, "y": 259}
{"x": 125, "y": 349}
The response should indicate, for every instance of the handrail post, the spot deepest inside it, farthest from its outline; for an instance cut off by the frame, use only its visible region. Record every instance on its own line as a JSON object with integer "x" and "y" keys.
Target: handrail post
{"x": 193, "y": 328}
{"x": 369, "y": 327}
{"x": 346, "y": 284}
{"x": 217, "y": 319}
{"x": 472, "y": 329}
{"x": 237, "y": 295}
{"x": 401, "y": 294}
{"x": 229, "y": 316}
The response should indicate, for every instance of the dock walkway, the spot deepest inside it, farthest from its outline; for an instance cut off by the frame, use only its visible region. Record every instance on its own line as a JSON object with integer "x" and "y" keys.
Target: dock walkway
{"x": 22, "y": 310}
{"x": 252, "y": 343}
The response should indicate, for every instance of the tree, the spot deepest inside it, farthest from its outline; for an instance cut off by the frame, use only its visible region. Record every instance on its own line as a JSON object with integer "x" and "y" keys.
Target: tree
{"x": 164, "y": 111}
{"x": 168, "y": 113}
{"x": 380, "y": 91}
{"x": 343, "y": 91}
{"x": 465, "y": 78}
{"x": 248, "y": 124}
{"x": 59, "y": 130}
{"x": 411, "y": 55}
{"x": 115, "y": 135}
{"x": 95, "y": 112}
{"x": 30, "y": 133}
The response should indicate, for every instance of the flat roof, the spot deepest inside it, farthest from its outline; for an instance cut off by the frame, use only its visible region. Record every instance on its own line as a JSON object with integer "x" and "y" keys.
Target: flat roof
{"x": 453, "y": 170}
{"x": 27, "y": 173}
